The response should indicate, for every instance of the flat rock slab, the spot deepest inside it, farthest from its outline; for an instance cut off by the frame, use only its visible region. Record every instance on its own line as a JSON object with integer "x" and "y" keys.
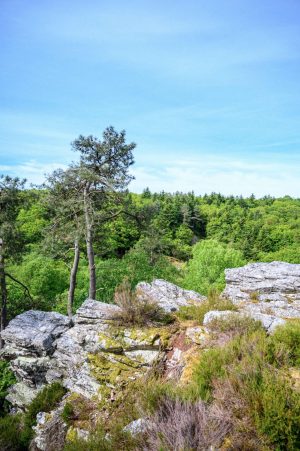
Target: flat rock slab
{"x": 168, "y": 296}
{"x": 276, "y": 281}
{"x": 34, "y": 331}
{"x": 94, "y": 311}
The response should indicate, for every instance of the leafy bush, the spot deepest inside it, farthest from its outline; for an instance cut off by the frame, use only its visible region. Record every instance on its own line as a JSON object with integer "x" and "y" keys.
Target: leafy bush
{"x": 45, "y": 278}
{"x": 136, "y": 267}
{"x": 206, "y": 268}
{"x": 7, "y": 379}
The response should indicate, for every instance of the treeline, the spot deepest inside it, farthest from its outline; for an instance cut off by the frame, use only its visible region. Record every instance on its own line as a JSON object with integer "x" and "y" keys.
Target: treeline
{"x": 85, "y": 222}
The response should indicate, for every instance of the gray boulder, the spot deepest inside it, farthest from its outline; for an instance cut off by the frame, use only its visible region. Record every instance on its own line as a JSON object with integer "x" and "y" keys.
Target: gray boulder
{"x": 276, "y": 281}
{"x": 33, "y": 333}
{"x": 29, "y": 344}
{"x": 20, "y": 395}
{"x": 167, "y": 295}
{"x": 92, "y": 312}
{"x": 268, "y": 292}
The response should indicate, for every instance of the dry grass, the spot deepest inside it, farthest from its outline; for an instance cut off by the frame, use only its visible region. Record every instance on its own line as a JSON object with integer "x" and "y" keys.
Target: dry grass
{"x": 136, "y": 310}
{"x": 179, "y": 425}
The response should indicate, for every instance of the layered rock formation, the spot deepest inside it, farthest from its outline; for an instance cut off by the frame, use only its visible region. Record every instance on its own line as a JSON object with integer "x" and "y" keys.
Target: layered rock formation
{"x": 268, "y": 292}
{"x": 30, "y": 341}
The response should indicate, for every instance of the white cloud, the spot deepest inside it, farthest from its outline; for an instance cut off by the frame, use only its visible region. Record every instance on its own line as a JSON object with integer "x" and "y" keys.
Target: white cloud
{"x": 33, "y": 171}
{"x": 227, "y": 176}
{"x": 203, "y": 175}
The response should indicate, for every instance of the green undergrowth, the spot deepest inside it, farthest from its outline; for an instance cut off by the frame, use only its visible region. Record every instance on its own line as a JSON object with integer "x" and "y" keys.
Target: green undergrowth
{"x": 7, "y": 379}
{"x": 197, "y": 312}
{"x": 118, "y": 439}
{"x": 16, "y": 430}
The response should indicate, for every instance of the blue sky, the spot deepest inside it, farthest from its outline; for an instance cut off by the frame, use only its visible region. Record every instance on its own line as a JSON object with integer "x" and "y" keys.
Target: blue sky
{"x": 209, "y": 90}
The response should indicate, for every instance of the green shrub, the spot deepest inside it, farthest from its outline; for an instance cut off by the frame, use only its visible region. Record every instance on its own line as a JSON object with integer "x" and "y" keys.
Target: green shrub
{"x": 197, "y": 312}
{"x": 285, "y": 344}
{"x": 45, "y": 401}
{"x": 206, "y": 268}
{"x": 211, "y": 365}
{"x": 7, "y": 379}
{"x": 277, "y": 411}
{"x": 11, "y": 434}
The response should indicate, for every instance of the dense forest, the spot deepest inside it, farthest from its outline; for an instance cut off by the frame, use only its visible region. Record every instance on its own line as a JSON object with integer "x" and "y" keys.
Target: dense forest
{"x": 52, "y": 231}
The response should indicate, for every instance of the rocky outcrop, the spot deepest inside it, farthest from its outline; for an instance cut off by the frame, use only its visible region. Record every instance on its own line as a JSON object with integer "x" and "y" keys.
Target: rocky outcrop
{"x": 33, "y": 333}
{"x": 167, "y": 295}
{"x": 95, "y": 357}
{"x": 87, "y": 357}
{"x": 268, "y": 292}
{"x": 29, "y": 343}
{"x": 276, "y": 281}
{"x": 97, "y": 351}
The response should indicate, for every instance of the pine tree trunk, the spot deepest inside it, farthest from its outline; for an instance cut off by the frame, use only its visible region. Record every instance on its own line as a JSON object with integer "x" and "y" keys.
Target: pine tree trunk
{"x": 3, "y": 317}
{"x": 73, "y": 277}
{"x": 89, "y": 246}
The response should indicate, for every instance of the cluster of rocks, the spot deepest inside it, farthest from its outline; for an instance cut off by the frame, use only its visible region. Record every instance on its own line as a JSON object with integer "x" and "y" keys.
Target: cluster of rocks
{"x": 30, "y": 341}
{"x": 94, "y": 356}
{"x": 268, "y": 292}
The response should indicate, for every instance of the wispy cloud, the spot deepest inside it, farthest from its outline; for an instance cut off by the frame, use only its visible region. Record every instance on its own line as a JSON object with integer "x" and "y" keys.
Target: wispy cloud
{"x": 33, "y": 171}
{"x": 225, "y": 175}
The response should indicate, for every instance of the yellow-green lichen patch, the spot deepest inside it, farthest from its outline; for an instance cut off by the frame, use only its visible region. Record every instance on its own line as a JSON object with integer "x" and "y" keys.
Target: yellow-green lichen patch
{"x": 111, "y": 342}
{"x": 116, "y": 339}
{"x": 114, "y": 370}
{"x": 149, "y": 336}
{"x": 190, "y": 360}
{"x": 72, "y": 435}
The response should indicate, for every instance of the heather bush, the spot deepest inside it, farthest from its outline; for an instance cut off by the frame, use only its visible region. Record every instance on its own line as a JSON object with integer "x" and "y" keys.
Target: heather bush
{"x": 234, "y": 325}
{"x": 285, "y": 344}
{"x": 180, "y": 425}
{"x": 45, "y": 401}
